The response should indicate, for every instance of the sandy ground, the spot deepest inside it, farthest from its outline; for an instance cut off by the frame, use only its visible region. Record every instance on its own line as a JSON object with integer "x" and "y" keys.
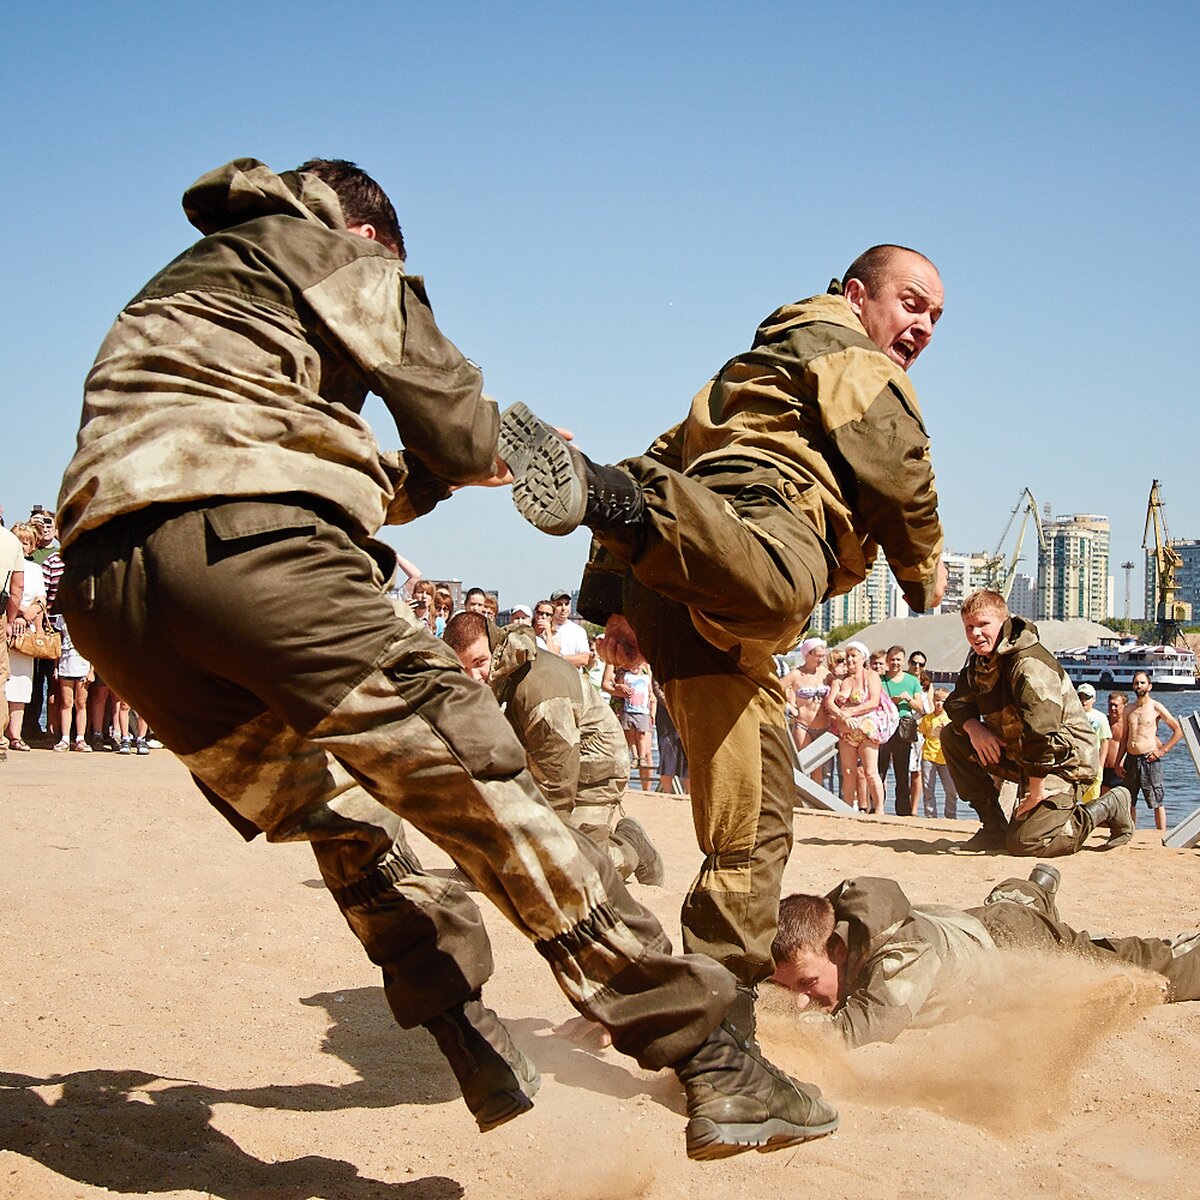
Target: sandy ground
{"x": 185, "y": 1015}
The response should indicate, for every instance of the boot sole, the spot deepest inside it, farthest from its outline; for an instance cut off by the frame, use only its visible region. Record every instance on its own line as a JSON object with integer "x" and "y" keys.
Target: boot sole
{"x": 504, "y": 1106}
{"x": 708, "y": 1140}
{"x": 547, "y": 489}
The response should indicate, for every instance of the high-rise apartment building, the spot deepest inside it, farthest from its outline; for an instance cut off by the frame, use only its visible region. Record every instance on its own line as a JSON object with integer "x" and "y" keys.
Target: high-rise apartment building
{"x": 1073, "y": 576}
{"x": 1187, "y": 577}
{"x": 875, "y": 599}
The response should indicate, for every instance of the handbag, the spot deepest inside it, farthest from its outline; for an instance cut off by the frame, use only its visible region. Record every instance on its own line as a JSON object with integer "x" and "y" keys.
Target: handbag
{"x": 906, "y": 729}
{"x": 40, "y": 639}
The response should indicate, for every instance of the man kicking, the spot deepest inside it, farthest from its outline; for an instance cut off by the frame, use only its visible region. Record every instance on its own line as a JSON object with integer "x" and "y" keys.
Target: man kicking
{"x": 881, "y": 964}
{"x": 801, "y": 457}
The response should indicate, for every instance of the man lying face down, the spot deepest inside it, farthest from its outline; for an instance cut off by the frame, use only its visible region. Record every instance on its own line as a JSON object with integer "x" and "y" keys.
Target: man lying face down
{"x": 881, "y": 964}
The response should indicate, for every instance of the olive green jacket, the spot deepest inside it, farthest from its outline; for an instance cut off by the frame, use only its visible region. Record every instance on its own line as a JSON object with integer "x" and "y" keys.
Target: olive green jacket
{"x": 242, "y": 367}
{"x": 1021, "y": 693}
{"x": 907, "y": 965}
{"x": 817, "y": 401}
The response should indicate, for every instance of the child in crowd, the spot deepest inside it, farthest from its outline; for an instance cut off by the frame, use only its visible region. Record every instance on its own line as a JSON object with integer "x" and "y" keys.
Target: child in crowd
{"x": 933, "y": 761}
{"x": 74, "y": 676}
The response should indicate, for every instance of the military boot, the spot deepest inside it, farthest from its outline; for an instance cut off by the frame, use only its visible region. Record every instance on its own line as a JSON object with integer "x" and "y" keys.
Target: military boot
{"x": 557, "y": 488}
{"x": 1046, "y": 877}
{"x": 993, "y": 835}
{"x": 498, "y": 1082}
{"x": 1111, "y": 812}
{"x": 649, "y": 867}
{"x": 738, "y": 1101}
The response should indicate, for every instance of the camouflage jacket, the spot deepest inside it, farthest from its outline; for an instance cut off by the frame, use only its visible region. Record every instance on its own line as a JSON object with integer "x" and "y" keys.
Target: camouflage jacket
{"x": 907, "y": 965}
{"x": 242, "y": 367}
{"x": 816, "y": 400}
{"x": 1025, "y": 698}
{"x": 572, "y": 738}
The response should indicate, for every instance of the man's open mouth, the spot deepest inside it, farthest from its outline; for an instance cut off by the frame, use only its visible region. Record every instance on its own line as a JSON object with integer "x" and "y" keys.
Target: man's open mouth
{"x": 905, "y": 350}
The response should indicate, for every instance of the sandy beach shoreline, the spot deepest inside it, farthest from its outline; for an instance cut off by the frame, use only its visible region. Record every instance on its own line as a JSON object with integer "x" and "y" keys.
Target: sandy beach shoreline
{"x": 187, "y": 1016}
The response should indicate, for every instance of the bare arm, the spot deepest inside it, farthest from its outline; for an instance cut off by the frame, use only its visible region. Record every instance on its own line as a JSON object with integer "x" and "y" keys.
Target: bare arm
{"x": 1172, "y": 724}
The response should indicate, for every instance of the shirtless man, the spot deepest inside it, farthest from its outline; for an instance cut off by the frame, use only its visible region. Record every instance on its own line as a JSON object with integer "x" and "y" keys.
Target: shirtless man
{"x": 1112, "y": 769}
{"x": 1143, "y": 753}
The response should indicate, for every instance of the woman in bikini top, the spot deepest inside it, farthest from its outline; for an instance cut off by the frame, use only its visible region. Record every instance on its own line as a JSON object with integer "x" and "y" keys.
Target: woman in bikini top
{"x": 806, "y": 687}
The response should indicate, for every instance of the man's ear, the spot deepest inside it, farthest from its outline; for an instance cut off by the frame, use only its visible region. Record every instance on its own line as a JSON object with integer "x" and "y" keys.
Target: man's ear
{"x": 837, "y": 950}
{"x": 364, "y": 231}
{"x": 855, "y": 292}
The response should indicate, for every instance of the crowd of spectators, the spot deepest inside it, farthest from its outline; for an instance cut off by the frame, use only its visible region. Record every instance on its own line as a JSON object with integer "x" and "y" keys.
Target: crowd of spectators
{"x": 58, "y": 703}
{"x": 883, "y": 707}
{"x": 886, "y": 715}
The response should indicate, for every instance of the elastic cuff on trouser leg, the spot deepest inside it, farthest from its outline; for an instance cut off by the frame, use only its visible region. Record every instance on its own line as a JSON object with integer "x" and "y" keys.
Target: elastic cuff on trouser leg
{"x": 617, "y": 968}
{"x": 424, "y": 933}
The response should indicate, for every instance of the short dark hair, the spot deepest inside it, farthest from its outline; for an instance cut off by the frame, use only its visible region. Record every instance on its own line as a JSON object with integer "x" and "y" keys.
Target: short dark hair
{"x": 1124, "y": 699}
{"x": 363, "y": 201}
{"x": 871, "y": 266}
{"x": 474, "y": 592}
{"x": 465, "y": 629}
{"x": 805, "y": 926}
{"x": 896, "y": 649}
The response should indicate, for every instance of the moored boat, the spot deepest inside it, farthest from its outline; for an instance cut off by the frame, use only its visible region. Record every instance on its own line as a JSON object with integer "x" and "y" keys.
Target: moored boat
{"x": 1114, "y": 662}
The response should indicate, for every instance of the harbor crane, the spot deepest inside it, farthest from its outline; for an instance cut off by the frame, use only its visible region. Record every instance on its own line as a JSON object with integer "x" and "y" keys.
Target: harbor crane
{"x": 999, "y": 576}
{"x": 1170, "y": 613}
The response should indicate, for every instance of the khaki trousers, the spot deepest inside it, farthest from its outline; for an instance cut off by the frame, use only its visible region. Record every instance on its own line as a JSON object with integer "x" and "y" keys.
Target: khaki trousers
{"x": 727, "y": 575}
{"x": 1058, "y": 826}
{"x": 1019, "y": 914}
{"x": 256, "y": 639}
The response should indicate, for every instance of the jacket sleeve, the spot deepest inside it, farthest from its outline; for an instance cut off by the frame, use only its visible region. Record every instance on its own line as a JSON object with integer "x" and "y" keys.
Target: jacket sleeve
{"x": 550, "y": 734}
{"x": 897, "y": 983}
{"x": 962, "y": 704}
{"x": 872, "y": 419}
{"x": 382, "y": 319}
{"x": 1046, "y": 746}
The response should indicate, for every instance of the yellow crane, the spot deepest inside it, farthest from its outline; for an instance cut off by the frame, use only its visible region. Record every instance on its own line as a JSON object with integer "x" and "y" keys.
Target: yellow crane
{"x": 998, "y": 574}
{"x": 1170, "y": 613}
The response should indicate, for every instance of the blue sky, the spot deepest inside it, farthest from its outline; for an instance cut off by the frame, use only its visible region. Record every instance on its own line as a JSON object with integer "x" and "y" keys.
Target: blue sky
{"x": 605, "y": 200}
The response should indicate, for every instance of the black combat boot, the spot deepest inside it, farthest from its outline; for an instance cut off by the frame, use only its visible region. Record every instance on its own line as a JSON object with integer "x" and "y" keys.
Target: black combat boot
{"x": 1046, "y": 877}
{"x": 649, "y": 867}
{"x": 738, "y": 1101}
{"x": 498, "y": 1082}
{"x": 557, "y": 488}
{"x": 1111, "y": 812}
{"x": 994, "y": 833}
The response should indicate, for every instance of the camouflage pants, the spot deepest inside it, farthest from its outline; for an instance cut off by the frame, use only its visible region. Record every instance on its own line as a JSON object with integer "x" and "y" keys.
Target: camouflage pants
{"x": 255, "y": 637}
{"x": 1019, "y": 914}
{"x": 1057, "y": 826}
{"x": 728, "y": 573}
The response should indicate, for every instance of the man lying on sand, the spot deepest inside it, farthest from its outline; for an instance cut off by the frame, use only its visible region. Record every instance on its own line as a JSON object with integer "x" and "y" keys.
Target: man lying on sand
{"x": 883, "y": 964}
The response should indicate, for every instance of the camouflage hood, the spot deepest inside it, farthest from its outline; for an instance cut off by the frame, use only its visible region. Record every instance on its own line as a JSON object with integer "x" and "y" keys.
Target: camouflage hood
{"x": 246, "y": 188}
{"x": 513, "y": 652}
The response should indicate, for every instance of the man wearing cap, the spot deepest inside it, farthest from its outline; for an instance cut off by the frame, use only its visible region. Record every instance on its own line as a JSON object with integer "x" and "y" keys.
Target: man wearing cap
{"x": 521, "y": 614}
{"x": 1103, "y": 731}
{"x": 570, "y": 637}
